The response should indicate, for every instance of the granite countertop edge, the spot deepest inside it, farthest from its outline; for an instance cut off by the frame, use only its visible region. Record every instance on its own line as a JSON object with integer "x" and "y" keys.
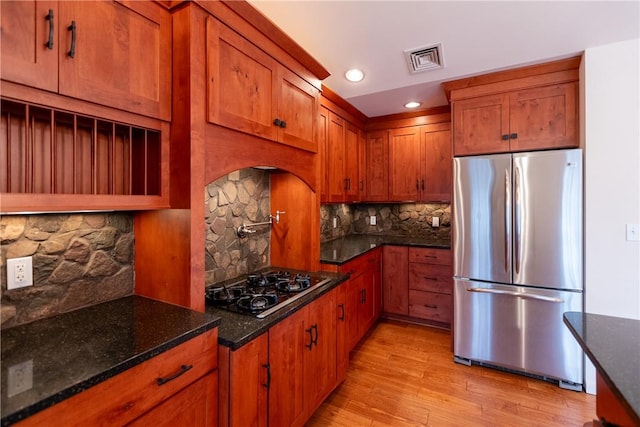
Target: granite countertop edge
{"x": 354, "y": 245}
{"x": 120, "y": 367}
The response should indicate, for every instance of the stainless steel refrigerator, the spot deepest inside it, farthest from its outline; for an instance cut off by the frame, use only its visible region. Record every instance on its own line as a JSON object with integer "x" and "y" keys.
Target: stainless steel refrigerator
{"x": 518, "y": 255}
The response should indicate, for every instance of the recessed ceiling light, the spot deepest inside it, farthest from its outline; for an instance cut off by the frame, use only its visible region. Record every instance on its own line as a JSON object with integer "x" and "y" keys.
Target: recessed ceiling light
{"x": 354, "y": 75}
{"x": 412, "y": 104}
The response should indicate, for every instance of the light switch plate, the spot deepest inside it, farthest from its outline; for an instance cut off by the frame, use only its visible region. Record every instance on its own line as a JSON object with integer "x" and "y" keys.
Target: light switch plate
{"x": 633, "y": 232}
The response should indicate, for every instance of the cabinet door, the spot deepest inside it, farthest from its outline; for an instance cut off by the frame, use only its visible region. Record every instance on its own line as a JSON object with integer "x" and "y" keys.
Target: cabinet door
{"x": 366, "y": 307}
{"x": 430, "y": 306}
{"x": 323, "y": 147}
{"x": 296, "y": 104}
{"x": 247, "y": 388}
{"x": 345, "y": 316}
{"x": 354, "y": 286}
{"x": 194, "y": 406}
{"x": 335, "y": 158}
{"x": 395, "y": 280}
{"x": 544, "y": 117}
{"x": 481, "y": 125}
{"x": 122, "y": 55}
{"x": 27, "y": 56}
{"x": 437, "y": 163}
{"x": 320, "y": 362}
{"x": 351, "y": 170}
{"x": 377, "y": 167}
{"x": 240, "y": 83}
{"x": 289, "y": 340}
{"x": 404, "y": 164}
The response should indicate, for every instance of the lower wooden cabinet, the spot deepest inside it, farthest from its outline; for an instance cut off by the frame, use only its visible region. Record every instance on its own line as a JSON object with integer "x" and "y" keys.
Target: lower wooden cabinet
{"x": 136, "y": 396}
{"x": 417, "y": 284}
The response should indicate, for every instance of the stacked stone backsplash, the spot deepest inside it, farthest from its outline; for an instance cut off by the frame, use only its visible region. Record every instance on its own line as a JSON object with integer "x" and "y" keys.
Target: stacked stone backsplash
{"x": 78, "y": 260}
{"x": 240, "y": 197}
{"x": 401, "y": 219}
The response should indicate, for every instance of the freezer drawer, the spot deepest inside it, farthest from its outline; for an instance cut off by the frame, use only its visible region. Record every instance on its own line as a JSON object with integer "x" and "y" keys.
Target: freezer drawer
{"x": 518, "y": 328}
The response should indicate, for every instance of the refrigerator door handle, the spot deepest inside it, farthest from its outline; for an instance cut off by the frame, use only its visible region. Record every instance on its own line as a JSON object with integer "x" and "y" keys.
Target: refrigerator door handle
{"x": 507, "y": 218}
{"x": 516, "y": 294}
{"x": 517, "y": 219}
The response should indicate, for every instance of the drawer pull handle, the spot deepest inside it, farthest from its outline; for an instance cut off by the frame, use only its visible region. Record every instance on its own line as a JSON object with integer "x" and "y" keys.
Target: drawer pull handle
{"x": 341, "y": 317}
{"x": 315, "y": 329}
{"x": 183, "y": 369}
{"x": 309, "y": 331}
{"x": 431, "y": 256}
{"x": 72, "y": 28}
{"x": 268, "y": 368}
{"x": 431, "y": 306}
{"x": 435, "y": 279}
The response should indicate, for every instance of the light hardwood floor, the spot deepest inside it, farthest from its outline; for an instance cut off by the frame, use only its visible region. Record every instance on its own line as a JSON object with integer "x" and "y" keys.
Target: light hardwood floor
{"x": 404, "y": 375}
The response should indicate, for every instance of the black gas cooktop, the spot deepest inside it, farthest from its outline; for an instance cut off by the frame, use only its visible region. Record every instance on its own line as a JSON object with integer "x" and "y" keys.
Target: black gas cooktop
{"x": 261, "y": 294}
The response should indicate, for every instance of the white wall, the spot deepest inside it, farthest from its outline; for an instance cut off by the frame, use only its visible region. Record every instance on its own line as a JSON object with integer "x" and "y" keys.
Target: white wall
{"x": 610, "y": 117}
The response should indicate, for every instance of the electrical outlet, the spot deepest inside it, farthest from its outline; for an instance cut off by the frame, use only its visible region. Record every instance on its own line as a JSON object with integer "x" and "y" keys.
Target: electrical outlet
{"x": 372, "y": 220}
{"x": 19, "y": 272}
{"x": 335, "y": 221}
{"x": 20, "y": 378}
{"x": 435, "y": 221}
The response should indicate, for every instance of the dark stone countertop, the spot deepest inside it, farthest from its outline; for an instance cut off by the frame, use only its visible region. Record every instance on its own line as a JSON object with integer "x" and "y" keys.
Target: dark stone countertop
{"x": 237, "y": 329}
{"x": 613, "y": 345}
{"x": 344, "y": 249}
{"x": 73, "y": 351}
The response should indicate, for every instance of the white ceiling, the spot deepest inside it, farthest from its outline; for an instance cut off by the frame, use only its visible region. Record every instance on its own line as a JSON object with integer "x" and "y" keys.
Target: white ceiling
{"x": 476, "y": 36}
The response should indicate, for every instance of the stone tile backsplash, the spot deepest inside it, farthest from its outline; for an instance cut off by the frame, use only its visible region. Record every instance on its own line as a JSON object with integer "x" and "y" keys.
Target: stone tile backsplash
{"x": 241, "y": 197}
{"x": 78, "y": 260}
{"x": 402, "y": 219}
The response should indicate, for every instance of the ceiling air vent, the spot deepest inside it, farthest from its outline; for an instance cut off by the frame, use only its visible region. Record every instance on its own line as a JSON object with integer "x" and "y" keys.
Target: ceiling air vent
{"x": 424, "y": 58}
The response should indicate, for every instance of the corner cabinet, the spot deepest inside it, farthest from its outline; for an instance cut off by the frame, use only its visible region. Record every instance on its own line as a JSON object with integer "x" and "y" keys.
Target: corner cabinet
{"x": 249, "y": 91}
{"x": 340, "y": 141}
{"x": 112, "y": 53}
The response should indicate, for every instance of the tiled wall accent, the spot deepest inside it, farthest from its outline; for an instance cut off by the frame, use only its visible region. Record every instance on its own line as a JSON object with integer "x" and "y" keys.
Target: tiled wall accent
{"x": 241, "y": 197}
{"x": 401, "y": 219}
{"x": 78, "y": 260}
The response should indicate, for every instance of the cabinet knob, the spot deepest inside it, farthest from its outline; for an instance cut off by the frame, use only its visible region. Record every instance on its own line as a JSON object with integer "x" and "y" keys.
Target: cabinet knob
{"x": 277, "y": 122}
{"x": 513, "y": 136}
{"x": 283, "y": 124}
{"x": 505, "y": 137}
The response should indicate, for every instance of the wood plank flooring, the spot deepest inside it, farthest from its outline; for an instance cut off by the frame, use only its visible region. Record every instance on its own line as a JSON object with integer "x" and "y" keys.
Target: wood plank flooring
{"x": 404, "y": 375}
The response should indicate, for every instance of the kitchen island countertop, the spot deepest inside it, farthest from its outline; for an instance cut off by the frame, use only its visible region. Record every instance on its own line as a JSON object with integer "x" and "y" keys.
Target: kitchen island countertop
{"x": 74, "y": 351}
{"x": 344, "y": 249}
{"x": 613, "y": 345}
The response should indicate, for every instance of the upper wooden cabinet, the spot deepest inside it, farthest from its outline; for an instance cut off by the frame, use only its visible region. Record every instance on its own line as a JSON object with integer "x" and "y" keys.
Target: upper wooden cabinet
{"x": 341, "y": 150}
{"x": 376, "y": 166}
{"x": 116, "y": 54}
{"x": 420, "y": 163}
{"x": 532, "y": 108}
{"x": 249, "y": 91}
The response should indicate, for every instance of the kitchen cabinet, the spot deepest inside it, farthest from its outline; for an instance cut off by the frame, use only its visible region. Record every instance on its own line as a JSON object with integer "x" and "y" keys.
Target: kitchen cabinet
{"x": 417, "y": 284}
{"x": 117, "y": 54}
{"x": 249, "y": 91}
{"x": 302, "y": 357}
{"x": 347, "y": 333}
{"x": 54, "y": 160}
{"x": 342, "y": 155}
{"x": 244, "y": 377}
{"x": 431, "y": 285}
{"x": 530, "y": 108}
{"x": 420, "y": 163}
{"x": 376, "y": 166}
{"x": 395, "y": 280}
{"x": 179, "y": 384}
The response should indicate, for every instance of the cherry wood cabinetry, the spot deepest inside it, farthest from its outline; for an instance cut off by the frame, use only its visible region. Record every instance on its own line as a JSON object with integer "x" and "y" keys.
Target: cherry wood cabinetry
{"x": 137, "y": 396}
{"x": 249, "y": 91}
{"x": 347, "y": 333}
{"x": 395, "y": 280}
{"x": 302, "y": 359}
{"x": 116, "y": 54}
{"x": 376, "y": 166}
{"x": 417, "y": 284}
{"x": 420, "y": 163}
{"x": 431, "y": 285}
{"x": 244, "y": 384}
{"x": 341, "y": 152}
{"x": 55, "y": 160}
{"x": 531, "y": 108}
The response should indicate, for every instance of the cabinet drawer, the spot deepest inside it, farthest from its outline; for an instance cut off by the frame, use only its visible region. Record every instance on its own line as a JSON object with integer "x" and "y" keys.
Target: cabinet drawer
{"x": 431, "y": 278}
{"x": 121, "y": 399}
{"x": 430, "y": 256}
{"x": 362, "y": 263}
{"x": 430, "y": 306}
